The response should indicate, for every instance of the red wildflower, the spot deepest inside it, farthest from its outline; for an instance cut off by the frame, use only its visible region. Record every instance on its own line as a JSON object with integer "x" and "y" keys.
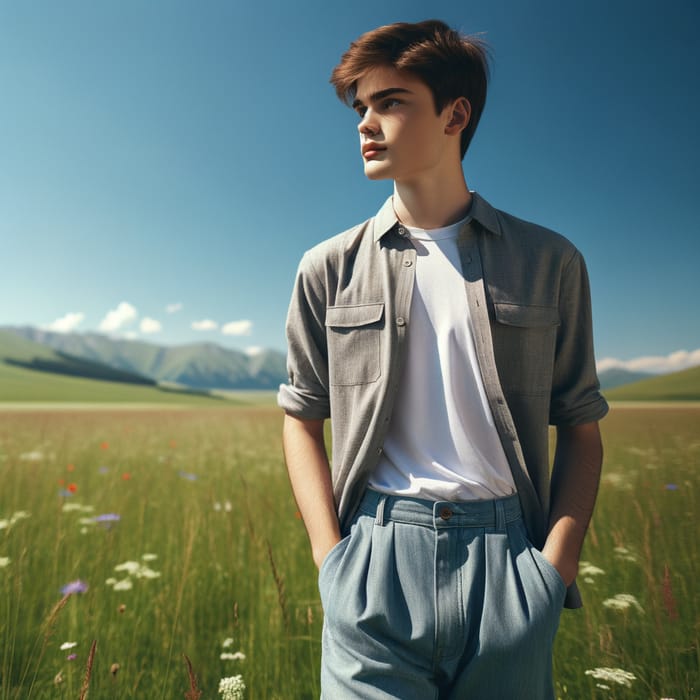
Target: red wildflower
{"x": 70, "y": 468}
{"x": 104, "y": 445}
{"x": 126, "y": 476}
{"x": 72, "y": 488}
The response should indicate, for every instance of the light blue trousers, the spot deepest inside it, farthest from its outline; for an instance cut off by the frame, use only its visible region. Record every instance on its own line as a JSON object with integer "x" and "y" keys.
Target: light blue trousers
{"x": 434, "y": 600}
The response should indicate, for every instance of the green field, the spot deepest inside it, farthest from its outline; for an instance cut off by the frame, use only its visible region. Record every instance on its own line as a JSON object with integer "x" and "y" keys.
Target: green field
{"x": 213, "y": 552}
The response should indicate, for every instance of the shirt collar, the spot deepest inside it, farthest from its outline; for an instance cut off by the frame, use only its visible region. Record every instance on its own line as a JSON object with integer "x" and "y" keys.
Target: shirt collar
{"x": 481, "y": 211}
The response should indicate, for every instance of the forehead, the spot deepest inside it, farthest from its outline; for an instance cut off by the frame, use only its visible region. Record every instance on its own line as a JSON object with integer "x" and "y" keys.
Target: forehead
{"x": 384, "y": 78}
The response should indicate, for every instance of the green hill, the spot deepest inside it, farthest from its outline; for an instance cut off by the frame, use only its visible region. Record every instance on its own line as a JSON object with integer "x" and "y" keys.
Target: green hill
{"x": 679, "y": 386}
{"x": 33, "y": 372}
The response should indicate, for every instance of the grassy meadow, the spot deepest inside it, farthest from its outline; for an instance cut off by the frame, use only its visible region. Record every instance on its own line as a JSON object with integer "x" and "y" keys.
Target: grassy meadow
{"x": 179, "y": 528}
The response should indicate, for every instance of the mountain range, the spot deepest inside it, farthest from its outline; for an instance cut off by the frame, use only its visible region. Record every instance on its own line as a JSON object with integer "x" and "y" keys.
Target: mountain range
{"x": 200, "y": 366}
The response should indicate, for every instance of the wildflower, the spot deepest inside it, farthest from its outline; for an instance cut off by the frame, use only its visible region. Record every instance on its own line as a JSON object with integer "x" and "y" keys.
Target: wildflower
{"x": 217, "y": 507}
{"x": 58, "y": 678}
{"x": 107, "y": 518}
{"x": 70, "y": 467}
{"x": 33, "y": 456}
{"x": 623, "y": 601}
{"x": 671, "y": 487}
{"x": 613, "y": 675}
{"x": 77, "y": 507}
{"x": 625, "y": 554}
{"x": 228, "y": 656}
{"x": 188, "y": 476}
{"x": 103, "y": 469}
{"x": 68, "y": 645}
{"x": 122, "y": 609}
{"x": 130, "y": 566}
{"x": 4, "y": 561}
{"x": 71, "y": 657}
{"x": 126, "y": 476}
{"x": 585, "y": 568}
{"x": 64, "y": 493}
{"x": 232, "y": 688}
{"x": 72, "y": 488}
{"x": 124, "y": 585}
{"x": 76, "y": 586}
{"x": 104, "y": 445}
{"x": 114, "y": 669}
{"x": 228, "y": 642}
{"x": 149, "y": 557}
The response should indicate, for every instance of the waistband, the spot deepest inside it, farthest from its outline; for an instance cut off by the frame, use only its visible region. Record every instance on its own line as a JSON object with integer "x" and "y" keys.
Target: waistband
{"x": 440, "y": 514}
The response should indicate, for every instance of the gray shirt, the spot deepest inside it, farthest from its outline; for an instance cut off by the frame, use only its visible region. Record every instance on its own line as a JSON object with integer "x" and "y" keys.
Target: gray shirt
{"x": 528, "y": 295}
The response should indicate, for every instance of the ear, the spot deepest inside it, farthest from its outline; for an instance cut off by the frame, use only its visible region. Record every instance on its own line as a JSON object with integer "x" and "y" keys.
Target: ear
{"x": 460, "y": 113}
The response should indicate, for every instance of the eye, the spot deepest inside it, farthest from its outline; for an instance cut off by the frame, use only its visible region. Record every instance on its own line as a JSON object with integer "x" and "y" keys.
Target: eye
{"x": 361, "y": 111}
{"x": 390, "y": 103}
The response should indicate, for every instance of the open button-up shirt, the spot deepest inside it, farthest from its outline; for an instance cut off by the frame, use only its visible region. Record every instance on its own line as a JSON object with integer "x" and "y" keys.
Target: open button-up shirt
{"x": 529, "y": 300}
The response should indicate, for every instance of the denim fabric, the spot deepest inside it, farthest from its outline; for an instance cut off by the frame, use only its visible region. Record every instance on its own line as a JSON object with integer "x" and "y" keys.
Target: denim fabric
{"x": 529, "y": 303}
{"x": 438, "y": 600}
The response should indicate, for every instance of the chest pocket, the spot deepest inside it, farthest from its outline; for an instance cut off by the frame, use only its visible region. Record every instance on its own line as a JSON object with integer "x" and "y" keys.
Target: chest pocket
{"x": 524, "y": 343}
{"x": 353, "y": 334}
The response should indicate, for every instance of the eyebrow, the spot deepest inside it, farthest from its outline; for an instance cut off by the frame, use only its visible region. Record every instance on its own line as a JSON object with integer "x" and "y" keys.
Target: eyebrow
{"x": 380, "y": 95}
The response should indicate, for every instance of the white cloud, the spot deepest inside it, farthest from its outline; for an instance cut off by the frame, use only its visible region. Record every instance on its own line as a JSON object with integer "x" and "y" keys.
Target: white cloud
{"x": 244, "y": 327}
{"x": 66, "y": 323}
{"x": 254, "y": 350}
{"x": 150, "y": 325}
{"x": 116, "y": 318}
{"x": 205, "y": 325}
{"x": 654, "y": 364}
{"x": 174, "y": 308}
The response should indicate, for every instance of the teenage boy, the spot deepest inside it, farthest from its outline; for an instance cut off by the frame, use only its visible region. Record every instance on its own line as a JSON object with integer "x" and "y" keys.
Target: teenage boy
{"x": 442, "y": 337}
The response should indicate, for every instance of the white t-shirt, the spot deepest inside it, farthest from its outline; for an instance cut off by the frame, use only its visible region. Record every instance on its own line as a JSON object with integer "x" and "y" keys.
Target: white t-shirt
{"x": 442, "y": 443}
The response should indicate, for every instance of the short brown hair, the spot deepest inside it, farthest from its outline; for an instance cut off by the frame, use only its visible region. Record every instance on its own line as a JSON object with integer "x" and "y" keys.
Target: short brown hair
{"x": 450, "y": 64}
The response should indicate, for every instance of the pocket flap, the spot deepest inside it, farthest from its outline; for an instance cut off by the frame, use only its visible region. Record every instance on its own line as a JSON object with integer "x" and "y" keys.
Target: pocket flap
{"x": 354, "y": 315}
{"x": 526, "y": 316}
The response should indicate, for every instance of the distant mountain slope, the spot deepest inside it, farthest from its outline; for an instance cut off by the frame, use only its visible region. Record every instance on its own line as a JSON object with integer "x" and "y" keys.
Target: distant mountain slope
{"x": 679, "y": 386}
{"x": 198, "y": 365}
{"x": 610, "y": 378}
{"x": 20, "y": 352}
{"x": 65, "y": 379}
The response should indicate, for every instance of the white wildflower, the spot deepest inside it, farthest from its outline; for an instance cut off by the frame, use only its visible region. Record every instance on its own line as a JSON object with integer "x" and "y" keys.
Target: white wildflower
{"x": 228, "y": 506}
{"x": 613, "y": 675}
{"x": 111, "y": 581}
{"x": 622, "y": 601}
{"x": 625, "y": 554}
{"x": 585, "y": 568}
{"x": 145, "y": 572}
{"x": 232, "y": 688}
{"x": 4, "y": 524}
{"x": 217, "y": 507}
{"x": 149, "y": 556}
{"x": 228, "y": 656}
{"x": 124, "y": 585}
{"x": 228, "y": 642}
{"x": 33, "y": 456}
{"x": 68, "y": 645}
{"x": 71, "y": 507}
{"x": 130, "y": 566}
{"x": 4, "y": 561}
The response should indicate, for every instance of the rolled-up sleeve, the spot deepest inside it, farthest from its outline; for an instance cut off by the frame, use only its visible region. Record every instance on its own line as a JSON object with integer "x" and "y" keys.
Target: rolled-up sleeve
{"x": 576, "y": 394}
{"x": 306, "y": 394}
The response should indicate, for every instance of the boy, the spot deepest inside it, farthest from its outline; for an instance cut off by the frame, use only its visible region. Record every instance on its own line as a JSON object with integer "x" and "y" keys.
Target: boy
{"x": 441, "y": 336}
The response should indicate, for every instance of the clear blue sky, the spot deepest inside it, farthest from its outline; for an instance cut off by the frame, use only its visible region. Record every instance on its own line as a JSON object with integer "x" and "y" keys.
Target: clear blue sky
{"x": 156, "y": 153}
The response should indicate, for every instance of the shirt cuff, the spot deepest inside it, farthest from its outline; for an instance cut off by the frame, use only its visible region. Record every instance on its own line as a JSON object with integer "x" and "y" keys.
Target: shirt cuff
{"x": 301, "y": 404}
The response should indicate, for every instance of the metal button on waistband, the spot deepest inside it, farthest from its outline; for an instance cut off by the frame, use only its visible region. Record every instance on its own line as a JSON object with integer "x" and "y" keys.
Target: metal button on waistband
{"x": 400, "y": 321}
{"x": 407, "y": 263}
{"x": 445, "y": 513}
{"x": 402, "y": 231}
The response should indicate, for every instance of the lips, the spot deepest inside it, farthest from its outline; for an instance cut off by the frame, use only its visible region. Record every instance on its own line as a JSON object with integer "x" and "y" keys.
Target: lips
{"x": 371, "y": 149}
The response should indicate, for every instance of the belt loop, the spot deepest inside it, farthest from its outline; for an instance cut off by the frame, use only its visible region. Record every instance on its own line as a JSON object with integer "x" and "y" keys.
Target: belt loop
{"x": 379, "y": 519}
{"x": 500, "y": 514}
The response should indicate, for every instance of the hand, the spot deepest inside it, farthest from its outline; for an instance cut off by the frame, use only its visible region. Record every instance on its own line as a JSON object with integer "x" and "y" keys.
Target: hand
{"x": 320, "y": 552}
{"x": 565, "y": 565}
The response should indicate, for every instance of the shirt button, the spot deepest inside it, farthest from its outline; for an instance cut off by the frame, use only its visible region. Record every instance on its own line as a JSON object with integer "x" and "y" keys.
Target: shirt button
{"x": 407, "y": 263}
{"x": 445, "y": 513}
{"x": 400, "y": 321}
{"x": 379, "y": 450}
{"x": 402, "y": 231}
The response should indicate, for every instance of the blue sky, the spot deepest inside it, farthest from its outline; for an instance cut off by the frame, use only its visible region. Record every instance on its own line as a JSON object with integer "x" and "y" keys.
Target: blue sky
{"x": 155, "y": 154}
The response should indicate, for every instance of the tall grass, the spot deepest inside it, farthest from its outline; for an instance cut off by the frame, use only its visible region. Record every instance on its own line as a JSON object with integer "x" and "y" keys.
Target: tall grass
{"x": 206, "y": 492}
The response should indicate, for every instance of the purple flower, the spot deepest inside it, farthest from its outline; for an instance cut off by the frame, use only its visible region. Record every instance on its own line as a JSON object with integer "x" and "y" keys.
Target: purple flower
{"x": 188, "y": 476}
{"x": 76, "y": 586}
{"x": 672, "y": 487}
{"x": 103, "y": 469}
{"x": 107, "y": 518}
{"x": 72, "y": 657}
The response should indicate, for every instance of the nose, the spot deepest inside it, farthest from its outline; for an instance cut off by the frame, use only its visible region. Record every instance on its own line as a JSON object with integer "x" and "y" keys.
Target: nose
{"x": 368, "y": 125}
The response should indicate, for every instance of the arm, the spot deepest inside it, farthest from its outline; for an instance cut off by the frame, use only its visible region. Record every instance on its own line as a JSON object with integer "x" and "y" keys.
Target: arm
{"x": 575, "y": 477}
{"x": 309, "y": 474}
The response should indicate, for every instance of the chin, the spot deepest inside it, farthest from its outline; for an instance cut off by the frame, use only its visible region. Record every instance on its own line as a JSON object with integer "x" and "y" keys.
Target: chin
{"x": 372, "y": 173}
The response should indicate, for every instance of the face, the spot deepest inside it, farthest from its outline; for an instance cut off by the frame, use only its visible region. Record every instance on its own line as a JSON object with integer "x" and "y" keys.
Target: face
{"x": 401, "y": 136}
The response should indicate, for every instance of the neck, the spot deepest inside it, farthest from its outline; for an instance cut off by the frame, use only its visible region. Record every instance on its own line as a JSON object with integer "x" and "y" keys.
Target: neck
{"x": 432, "y": 205}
